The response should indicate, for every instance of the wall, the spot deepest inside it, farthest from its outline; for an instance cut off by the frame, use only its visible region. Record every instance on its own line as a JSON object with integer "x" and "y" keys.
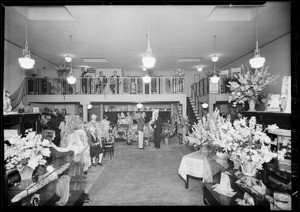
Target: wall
{"x": 13, "y": 73}
{"x": 278, "y": 58}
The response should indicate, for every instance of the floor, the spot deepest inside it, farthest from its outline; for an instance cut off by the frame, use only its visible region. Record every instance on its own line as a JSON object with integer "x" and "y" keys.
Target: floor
{"x": 148, "y": 177}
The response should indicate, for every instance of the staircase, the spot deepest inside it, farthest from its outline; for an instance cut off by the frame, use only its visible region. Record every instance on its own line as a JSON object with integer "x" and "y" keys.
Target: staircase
{"x": 194, "y": 107}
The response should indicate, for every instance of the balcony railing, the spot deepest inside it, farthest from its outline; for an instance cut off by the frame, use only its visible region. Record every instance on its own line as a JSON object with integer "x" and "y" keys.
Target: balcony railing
{"x": 121, "y": 85}
{"x": 204, "y": 87}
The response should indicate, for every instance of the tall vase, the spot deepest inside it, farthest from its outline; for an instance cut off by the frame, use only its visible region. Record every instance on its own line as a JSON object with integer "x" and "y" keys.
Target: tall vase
{"x": 251, "y": 103}
{"x": 26, "y": 176}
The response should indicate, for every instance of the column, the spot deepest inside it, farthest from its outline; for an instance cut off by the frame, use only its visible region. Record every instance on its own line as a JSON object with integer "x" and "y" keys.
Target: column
{"x": 85, "y": 112}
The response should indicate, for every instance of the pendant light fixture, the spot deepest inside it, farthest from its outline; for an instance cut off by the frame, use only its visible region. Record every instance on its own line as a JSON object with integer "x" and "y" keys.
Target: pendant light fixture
{"x": 215, "y": 58}
{"x": 204, "y": 105}
{"x": 257, "y": 61}
{"x": 146, "y": 79}
{"x": 26, "y": 61}
{"x": 139, "y": 106}
{"x": 215, "y": 78}
{"x": 148, "y": 60}
{"x": 68, "y": 58}
{"x": 71, "y": 79}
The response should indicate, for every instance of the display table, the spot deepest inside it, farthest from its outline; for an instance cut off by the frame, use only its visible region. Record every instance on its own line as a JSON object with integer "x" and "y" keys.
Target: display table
{"x": 197, "y": 165}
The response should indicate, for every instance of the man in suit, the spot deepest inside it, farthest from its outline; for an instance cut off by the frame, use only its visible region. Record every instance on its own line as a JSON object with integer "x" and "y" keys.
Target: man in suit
{"x": 140, "y": 128}
{"x": 157, "y": 125}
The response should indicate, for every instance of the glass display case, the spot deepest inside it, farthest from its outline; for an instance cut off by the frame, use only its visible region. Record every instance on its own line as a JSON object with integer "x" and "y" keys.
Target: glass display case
{"x": 255, "y": 190}
{"x": 40, "y": 187}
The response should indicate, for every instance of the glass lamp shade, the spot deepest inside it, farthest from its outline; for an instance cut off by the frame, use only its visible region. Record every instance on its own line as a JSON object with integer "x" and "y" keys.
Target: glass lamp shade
{"x": 146, "y": 79}
{"x": 148, "y": 61}
{"x": 214, "y": 79}
{"x": 215, "y": 58}
{"x": 205, "y": 105}
{"x": 71, "y": 79}
{"x": 199, "y": 69}
{"x": 89, "y": 106}
{"x": 68, "y": 58}
{"x": 26, "y": 62}
{"x": 257, "y": 61}
{"x": 139, "y": 106}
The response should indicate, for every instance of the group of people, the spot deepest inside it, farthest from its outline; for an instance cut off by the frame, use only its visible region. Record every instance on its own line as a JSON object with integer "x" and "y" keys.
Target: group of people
{"x": 86, "y": 140}
{"x": 100, "y": 82}
{"x": 156, "y": 123}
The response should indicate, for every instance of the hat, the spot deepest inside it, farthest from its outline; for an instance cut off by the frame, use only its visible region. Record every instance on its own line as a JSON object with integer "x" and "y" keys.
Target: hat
{"x": 93, "y": 115}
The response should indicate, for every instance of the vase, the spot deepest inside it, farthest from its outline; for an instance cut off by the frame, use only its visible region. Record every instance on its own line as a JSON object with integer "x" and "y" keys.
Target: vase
{"x": 251, "y": 103}
{"x": 166, "y": 141}
{"x": 26, "y": 176}
{"x": 248, "y": 169}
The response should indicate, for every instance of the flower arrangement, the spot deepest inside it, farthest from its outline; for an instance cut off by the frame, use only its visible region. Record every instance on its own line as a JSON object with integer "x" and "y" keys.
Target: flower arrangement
{"x": 250, "y": 84}
{"x": 244, "y": 139}
{"x": 30, "y": 151}
{"x": 167, "y": 130}
{"x": 63, "y": 69}
{"x": 250, "y": 144}
{"x": 148, "y": 132}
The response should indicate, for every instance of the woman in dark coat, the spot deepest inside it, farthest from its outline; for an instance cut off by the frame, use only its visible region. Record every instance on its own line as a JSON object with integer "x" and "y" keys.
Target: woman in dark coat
{"x": 157, "y": 129}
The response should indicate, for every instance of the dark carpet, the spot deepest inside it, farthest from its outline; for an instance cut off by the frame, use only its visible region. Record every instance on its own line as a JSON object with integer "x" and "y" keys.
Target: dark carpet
{"x": 146, "y": 177}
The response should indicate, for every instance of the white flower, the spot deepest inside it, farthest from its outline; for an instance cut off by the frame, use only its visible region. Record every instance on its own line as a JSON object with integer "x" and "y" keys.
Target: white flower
{"x": 50, "y": 169}
{"x": 46, "y": 152}
{"x": 45, "y": 142}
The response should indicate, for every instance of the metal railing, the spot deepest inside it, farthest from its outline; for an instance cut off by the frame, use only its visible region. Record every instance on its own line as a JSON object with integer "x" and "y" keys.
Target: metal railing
{"x": 119, "y": 85}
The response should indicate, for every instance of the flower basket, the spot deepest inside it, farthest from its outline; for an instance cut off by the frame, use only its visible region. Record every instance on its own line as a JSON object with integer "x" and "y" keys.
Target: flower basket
{"x": 249, "y": 169}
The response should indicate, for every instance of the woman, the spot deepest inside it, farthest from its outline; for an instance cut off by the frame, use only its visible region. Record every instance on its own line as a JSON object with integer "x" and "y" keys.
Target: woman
{"x": 96, "y": 146}
{"x": 157, "y": 125}
{"x": 58, "y": 157}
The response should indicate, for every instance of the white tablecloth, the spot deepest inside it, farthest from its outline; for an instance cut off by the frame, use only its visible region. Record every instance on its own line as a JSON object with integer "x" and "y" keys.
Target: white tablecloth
{"x": 197, "y": 164}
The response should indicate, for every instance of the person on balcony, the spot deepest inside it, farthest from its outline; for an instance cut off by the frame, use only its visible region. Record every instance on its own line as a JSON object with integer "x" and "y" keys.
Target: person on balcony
{"x": 101, "y": 83}
{"x": 114, "y": 82}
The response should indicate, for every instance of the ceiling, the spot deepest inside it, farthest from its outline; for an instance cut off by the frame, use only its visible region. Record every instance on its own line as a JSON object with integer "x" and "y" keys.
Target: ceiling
{"x": 118, "y": 33}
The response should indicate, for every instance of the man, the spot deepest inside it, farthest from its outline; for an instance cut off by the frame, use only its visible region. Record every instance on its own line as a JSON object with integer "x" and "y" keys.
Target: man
{"x": 157, "y": 122}
{"x": 140, "y": 128}
{"x": 114, "y": 83}
{"x": 101, "y": 83}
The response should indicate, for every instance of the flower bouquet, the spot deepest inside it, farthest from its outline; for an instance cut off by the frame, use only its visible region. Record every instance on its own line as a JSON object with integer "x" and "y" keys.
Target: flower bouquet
{"x": 250, "y": 147}
{"x": 250, "y": 84}
{"x": 30, "y": 151}
{"x": 167, "y": 130}
{"x": 148, "y": 132}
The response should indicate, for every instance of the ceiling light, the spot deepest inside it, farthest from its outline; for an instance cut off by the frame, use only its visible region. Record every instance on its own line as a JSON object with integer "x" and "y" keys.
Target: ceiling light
{"x": 146, "y": 79}
{"x": 200, "y": 69}
{"x": 25, "y": 61}
{"x": 139, "y": 106}
{"x": 214, "y": 79}
{"x": 204, "y": 105}
{"x": 215, "y": 58}
{"x": 148, "y": 60}
{"x": 257, "y": 61}
{"x": 71, "y": 79}
{"x": 68, "y": 58}
{"x": 89, "y": 106}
